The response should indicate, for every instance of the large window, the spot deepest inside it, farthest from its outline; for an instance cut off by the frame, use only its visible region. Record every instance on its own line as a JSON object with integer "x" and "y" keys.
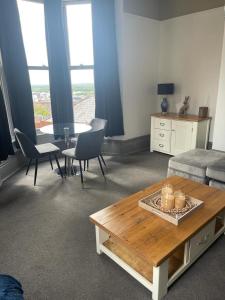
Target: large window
{"x": 78, "y": 22}
{"x": 80, "y": 44}
{"x": 33, "y": 30}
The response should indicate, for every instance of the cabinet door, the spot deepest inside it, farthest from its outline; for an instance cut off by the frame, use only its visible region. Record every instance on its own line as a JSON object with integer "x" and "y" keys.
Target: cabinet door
{"x": 183, "y": 137}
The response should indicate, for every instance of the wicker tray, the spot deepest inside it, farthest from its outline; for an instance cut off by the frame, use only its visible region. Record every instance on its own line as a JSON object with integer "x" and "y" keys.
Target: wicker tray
{"x": 152, "y": 203}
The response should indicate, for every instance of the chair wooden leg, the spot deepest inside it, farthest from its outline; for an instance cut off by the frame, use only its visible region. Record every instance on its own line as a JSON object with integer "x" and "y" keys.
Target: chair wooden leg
{"x": 103, "y": 160}
{"x": 50, "y": 160}
{"x": 58, "y": 165}
{"x": 100, "y": 164}
{"x": 81, "y": 173}
{"x": 36, "y": 169}
{"x": 28, "y": 167}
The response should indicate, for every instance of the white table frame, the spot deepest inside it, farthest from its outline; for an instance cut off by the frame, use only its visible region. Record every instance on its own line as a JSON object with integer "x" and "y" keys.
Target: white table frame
{"x": 161, "y": 282}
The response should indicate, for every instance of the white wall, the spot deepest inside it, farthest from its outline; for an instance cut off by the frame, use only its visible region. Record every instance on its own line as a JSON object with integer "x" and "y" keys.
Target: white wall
{"x": 219, "y": 129}
{"x": 138, "y": 48}
{"x": 190, "y": 56}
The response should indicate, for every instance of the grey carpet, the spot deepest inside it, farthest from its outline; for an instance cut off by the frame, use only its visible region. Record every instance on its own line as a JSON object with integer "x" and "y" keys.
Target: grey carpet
{"x": 48, "y": 243}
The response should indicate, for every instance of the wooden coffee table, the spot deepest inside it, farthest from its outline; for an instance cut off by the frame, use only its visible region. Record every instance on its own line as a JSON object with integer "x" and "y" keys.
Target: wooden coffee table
{"x": 152, "y": 250}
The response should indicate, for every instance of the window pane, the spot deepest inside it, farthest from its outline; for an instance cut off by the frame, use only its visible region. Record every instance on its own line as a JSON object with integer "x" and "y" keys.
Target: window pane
{"x": 83, "y": 95}
{"x": 33, "y": 30}
{"x": 41, "y": 97}
{"x": 79, "y": 24}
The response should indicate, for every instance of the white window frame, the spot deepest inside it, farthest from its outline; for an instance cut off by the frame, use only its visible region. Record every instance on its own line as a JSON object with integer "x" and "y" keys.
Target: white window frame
{"x": 65, "y": 4}
{"x": 70, "y": 67}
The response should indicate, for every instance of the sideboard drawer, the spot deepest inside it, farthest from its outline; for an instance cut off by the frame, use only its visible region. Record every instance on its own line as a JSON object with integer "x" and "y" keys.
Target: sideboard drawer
{"x": 161, "y": 146}
{"x": 162, "y": 124}
{"x": 202, "y": 239}
{"x": 163, "y": 135}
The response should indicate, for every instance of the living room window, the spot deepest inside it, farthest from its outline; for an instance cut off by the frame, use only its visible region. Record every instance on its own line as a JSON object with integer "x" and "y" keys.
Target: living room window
{"x": 80, "y": 46}
{"x": 78, "y": 21}
{"x": 33, "y": 31}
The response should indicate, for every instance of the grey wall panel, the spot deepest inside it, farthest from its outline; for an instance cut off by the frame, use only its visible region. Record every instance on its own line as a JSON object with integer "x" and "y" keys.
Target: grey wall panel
{"x": 144, "y": 8}
{"x": 174, "y": 8}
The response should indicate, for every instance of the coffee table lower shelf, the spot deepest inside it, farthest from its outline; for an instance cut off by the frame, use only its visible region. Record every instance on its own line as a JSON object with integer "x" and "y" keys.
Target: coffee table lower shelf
{"x": 138, "y": 264}
{"x": 158, "y": 279}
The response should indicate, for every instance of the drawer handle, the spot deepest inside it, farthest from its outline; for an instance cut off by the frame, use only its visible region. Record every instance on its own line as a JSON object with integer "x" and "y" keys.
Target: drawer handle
{"x": 162, "y": 124}
{"x": 161, "y": 145}
{"x": 204, "y": 240}
{"x": 162, "y": 135}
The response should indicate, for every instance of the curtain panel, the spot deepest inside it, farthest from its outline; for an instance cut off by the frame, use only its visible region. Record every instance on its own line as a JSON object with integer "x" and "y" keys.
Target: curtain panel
{"x": 107, "y": 86}
{"x": 6, "y": 147}
{"x": 15, "y": 68}
{"x": 59, "y": 74}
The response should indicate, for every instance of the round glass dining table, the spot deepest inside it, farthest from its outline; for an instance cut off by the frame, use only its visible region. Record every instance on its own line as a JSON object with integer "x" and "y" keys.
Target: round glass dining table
{"x": 66, "y": 131}
{"x": 60, "y": 129}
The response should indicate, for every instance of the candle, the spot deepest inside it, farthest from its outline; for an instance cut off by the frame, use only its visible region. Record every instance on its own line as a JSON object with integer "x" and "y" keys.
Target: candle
{"x": 167, "y": 201}
{"x": 180, "y": 201}
{"x": 167, "y": 189}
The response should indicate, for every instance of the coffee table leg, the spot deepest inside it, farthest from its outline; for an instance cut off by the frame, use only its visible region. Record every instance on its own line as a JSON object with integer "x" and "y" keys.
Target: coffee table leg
{"x": 101, "y": 237}
{"x": 160, "y": 280}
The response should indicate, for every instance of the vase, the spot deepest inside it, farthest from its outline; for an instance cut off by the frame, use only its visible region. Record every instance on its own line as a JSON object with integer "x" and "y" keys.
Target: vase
{"x": 164, "y": 106}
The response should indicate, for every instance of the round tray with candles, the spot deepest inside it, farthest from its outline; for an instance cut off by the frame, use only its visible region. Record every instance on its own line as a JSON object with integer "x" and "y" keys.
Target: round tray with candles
{"x": 173, "y": 206}
{"x": 157, "y": 203}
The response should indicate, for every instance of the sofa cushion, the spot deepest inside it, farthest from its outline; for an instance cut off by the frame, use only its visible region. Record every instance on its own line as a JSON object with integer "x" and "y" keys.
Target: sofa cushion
{"x": 173, "y": 172}
{"x": 195, "y": 161}
{"x": 216, "y": 170}
{"x": 217, "y": 184}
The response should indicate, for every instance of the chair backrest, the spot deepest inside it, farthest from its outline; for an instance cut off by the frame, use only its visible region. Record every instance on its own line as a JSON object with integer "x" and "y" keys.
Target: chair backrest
{"x": 26, "y": 145}
{"x": 98, "y": 124}
{"x": 89, "y": 144}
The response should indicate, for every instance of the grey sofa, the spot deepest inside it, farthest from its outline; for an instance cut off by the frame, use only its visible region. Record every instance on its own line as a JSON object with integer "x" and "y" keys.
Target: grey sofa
{"x": 204, "y": 166}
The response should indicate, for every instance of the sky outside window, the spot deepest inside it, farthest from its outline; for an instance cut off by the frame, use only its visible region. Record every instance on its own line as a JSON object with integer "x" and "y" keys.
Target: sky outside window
{"x": 79, "y": 23}
{"x": 33, "y": 29}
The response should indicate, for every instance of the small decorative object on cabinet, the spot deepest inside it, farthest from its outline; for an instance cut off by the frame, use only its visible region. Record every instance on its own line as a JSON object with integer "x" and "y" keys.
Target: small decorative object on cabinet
{"x": 165, "y": 89}
{"x": 203, "y": 112}
{"x": 174, "y": 134}
{"x": 184, "y": 108}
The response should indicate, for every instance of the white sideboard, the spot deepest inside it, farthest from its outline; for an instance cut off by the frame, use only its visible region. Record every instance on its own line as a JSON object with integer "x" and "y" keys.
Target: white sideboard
{"x": 173, "y": 134}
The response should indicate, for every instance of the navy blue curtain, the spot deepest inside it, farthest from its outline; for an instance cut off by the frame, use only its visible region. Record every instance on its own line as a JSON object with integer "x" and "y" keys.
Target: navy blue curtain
{"x": 59, "y": 75}
{"x": 5, "y": 137}
{"x": 107, "y": 86}
{"x": 15, "y": 68}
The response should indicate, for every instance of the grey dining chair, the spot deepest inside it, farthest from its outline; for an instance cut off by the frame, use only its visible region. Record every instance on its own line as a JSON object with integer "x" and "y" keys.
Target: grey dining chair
{"x": 35, "y": 152}
{"x": 96, "y": 124}
{"x": 88, "y": 146}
